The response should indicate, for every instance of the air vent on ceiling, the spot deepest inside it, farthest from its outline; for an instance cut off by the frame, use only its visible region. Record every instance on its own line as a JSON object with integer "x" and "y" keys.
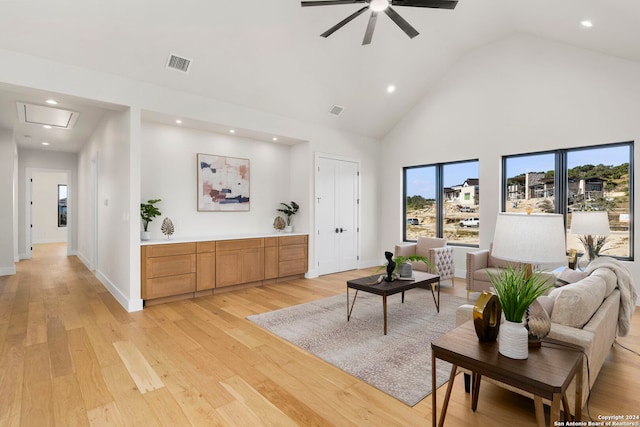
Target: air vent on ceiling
{"x": 179, "y": 63}
{"x": 46, "y": 116}
{"x": 336, "y": 110}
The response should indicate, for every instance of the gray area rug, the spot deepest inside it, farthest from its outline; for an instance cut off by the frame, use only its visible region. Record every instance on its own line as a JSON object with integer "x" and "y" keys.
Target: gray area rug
{"x": 398, "y": 364}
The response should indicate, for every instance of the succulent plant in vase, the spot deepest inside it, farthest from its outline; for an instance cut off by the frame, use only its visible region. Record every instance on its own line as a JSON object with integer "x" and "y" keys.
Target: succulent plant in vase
{"x": 289, "y": 210}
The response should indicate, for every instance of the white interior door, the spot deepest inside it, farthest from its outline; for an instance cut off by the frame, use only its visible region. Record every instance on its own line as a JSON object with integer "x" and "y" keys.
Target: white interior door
{"x": 336, "y": 215}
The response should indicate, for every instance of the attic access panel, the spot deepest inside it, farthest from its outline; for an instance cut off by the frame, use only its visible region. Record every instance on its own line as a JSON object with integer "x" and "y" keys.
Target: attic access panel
{"x": 41, "y": 115}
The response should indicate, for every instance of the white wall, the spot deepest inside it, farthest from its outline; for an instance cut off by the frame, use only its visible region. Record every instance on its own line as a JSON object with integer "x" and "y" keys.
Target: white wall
{"x": 7, "y": 164}
{"x": 50, "y": 161}
{"x": 169, "y": 173}
{"x": 123, "y": 168}
{"x": 44, "y": 214}
{"x": 518, "y": 95}
{"x": 105, "y": 198}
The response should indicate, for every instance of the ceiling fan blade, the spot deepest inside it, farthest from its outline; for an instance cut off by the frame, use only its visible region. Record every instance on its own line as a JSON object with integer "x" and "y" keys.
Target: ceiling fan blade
{"x": 436, "y": 4}
{"x": 400, "y": 21}
{"x": 344, "y": 22}
{"x": 368, "y": 35}
{"x": 330, "y": 2}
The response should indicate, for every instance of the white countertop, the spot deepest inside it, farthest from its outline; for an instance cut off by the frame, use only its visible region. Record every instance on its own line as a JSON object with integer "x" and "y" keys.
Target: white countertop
{"x": 190, "y": 239}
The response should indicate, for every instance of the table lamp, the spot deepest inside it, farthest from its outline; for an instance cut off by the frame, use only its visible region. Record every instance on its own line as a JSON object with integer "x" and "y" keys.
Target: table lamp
{"x": 528, "y": 239}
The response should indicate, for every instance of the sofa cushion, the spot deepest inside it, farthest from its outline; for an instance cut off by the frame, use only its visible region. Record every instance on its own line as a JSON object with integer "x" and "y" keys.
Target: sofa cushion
{"x": 425, "y": 243}
{"x": 547, "y": 302}
{"x": 483, "y": 273}
{"x": 577, "y": 302}
{"x": 609, "y": 278}
{"x": 569, "y": 275}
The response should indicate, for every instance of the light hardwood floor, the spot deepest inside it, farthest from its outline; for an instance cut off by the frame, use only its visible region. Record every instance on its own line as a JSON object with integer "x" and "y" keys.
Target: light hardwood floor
{"x": 70, "y": 355}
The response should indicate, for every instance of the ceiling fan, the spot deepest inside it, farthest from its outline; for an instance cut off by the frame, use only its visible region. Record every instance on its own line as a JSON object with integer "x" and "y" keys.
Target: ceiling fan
{"x": 380, "y": 6}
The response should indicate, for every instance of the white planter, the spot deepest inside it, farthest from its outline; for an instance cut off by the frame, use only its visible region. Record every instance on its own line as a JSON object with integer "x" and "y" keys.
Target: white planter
{"x": 513, "y": 340}
{"x": 145, "y": 235}
{"x": 288, "y": 229}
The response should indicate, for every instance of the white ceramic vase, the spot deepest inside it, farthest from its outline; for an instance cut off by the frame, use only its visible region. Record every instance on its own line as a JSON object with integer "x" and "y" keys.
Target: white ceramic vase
{"x": 288, "y": 229}
{"x": 145, "y": 235}
{"x": 513, "y": 340}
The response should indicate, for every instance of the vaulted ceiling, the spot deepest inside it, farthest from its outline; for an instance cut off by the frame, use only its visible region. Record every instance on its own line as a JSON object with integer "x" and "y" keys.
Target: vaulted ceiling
{"x": 268, "y": 55}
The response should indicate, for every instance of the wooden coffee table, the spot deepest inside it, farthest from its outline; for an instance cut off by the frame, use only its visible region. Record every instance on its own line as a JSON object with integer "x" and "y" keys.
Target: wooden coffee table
{"x": 370, "y": 284}
{"x": 546, "y": 373}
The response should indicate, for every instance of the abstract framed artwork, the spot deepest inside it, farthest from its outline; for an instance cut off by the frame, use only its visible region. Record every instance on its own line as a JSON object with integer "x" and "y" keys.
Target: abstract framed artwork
{"x": 223, "y": 183}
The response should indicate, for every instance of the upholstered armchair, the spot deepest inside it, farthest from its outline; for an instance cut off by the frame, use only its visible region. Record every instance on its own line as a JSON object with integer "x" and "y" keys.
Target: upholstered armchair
{"x": 435, "y": 250}
{"x": 480, "y": 263}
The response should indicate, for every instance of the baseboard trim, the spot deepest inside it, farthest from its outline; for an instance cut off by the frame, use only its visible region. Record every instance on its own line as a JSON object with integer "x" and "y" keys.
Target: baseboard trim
{"x": 84, "y": 260}
{"x": 24, "y": 256}
{"x": 8, "y": 271}
{"x": 129, "y": 305}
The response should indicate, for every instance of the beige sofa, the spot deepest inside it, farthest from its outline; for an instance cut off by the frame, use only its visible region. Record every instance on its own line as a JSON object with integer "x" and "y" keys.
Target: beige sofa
{"x": 585, "y": 313}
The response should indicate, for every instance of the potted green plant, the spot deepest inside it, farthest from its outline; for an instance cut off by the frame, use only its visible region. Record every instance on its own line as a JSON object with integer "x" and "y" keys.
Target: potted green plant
{"x": 517, "y": 289}
{"x": 289, "y": 210}
{"x": 148, "y": 211}
{"x": 403, "y": 266}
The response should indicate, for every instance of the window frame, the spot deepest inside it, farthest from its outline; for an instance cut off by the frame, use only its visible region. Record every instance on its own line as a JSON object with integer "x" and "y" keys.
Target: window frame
{"x": 561, "y": 173}
{"x": 439, "y": 199}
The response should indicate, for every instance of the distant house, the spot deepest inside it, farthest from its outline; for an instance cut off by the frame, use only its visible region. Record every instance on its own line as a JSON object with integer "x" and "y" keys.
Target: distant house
{"x": 534, "y": 185}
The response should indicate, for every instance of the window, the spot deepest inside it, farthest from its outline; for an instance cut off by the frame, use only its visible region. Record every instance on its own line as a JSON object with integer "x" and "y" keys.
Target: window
{"x": 442, "y": 200}
{"x": 580, "y": 179}
{"x": 62, "y": 205}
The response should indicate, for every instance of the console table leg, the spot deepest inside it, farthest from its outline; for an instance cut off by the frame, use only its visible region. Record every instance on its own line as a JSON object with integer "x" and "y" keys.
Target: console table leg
{"x": 445, "y": 405}
{"x": 537, "y": 402}
{"x": 384, "y": 309}
{"x": 475, "y": 393}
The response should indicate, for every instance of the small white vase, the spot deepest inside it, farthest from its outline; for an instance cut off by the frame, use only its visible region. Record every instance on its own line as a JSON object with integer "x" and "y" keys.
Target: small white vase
{"x": 288, "y": 229}
{"x": 513, "y": 340}
{"x": 145, "y": 235}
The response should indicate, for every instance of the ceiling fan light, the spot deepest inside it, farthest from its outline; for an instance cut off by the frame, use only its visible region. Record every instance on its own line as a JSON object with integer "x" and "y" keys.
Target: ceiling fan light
{"x": 378, "y": 5}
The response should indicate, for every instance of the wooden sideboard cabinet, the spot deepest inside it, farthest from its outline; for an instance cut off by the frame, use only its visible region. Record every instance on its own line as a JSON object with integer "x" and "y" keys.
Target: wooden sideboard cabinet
{"x": 239, "y": 261}
{"x": 172, "y": 271}
{"x": 206, "y": 266}
{"x": 292, "y": 255}
{"x": 168, "y": 270}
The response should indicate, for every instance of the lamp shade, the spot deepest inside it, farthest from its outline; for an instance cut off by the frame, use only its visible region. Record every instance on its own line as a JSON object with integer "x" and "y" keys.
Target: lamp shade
{"x": 530, "y": 238}
{"x": 590, "y": 223}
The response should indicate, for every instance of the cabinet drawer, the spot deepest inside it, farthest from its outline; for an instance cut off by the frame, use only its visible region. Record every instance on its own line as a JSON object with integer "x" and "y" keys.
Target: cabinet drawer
{"x": 168, "y": 286}
{"x": 233, "y": 245}
{"x": 290, "y": 268}
{"x": 171, "y": 249}
{"x": 286, "y": 253}
{"x": 206, "y": 247}
{"x": 170, "y": 266}
{"x": 292, "y": 240}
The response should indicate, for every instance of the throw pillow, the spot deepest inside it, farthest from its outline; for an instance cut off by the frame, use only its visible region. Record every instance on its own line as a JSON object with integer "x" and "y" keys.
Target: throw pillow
{"x": 547, "y": 303}
{"x": 568, "y": 276}
{"x": 577, "y": 302}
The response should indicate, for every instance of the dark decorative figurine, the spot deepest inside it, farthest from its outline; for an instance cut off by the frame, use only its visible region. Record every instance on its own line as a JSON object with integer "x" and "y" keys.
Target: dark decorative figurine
{"x": 391, "y": 265}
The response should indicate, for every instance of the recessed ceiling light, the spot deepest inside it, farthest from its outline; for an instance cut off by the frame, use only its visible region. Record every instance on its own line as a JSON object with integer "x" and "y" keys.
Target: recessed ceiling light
{"x": 51, "y": 102}
{"x": 587, "y": 23}
{"x": 45, "y": 143}
{"x": 378, "y": 5}
{"x": 179, "y": 121}
{"x": 274, "y": 138}
{"x": 232, "y": 131}
{"x": 391, "y": 88}
{"x": 46, "y": 126}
